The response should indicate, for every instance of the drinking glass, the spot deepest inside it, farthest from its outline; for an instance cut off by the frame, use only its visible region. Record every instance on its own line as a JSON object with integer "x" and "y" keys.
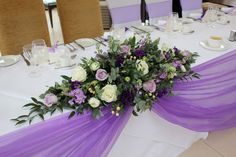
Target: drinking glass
{"x": 119, "y": 33}
{"x": 34, "y": 69}
{"x": 40, "y": 51}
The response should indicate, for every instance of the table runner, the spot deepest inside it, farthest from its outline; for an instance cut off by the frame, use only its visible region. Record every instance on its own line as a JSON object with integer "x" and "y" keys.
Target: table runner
{"x": 84, "y": 136}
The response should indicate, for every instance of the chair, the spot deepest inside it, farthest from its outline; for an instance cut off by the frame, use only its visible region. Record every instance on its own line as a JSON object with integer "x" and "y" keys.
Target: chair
{"x": 124, "y": 12}
{"x": 191, "y": 6}
{"x": 21, "y": 21}
{"x": 159, "y": 8}
{"x": 79, "y": 19}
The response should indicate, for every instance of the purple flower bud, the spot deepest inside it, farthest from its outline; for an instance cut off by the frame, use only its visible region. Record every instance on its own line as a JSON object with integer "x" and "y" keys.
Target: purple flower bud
{"x": 163, "y": 75}
{"x": 101, "y": 74}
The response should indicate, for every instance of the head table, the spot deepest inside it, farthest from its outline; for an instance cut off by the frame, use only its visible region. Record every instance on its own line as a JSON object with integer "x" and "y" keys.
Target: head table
{"x": 147, "y": 135}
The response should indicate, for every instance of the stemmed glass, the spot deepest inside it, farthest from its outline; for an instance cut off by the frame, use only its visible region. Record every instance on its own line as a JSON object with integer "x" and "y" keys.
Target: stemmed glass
{"x": 39, "y": 50}
{"x": 33, "y": 59}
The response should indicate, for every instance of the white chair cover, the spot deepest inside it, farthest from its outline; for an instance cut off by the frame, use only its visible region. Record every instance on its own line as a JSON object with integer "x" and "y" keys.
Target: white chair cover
{"x": 124, "y": 12}
{"x": 191, "y": 6}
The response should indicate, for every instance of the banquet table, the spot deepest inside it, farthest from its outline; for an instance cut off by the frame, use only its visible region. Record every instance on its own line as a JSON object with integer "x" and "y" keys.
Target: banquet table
{"x": 147, "y": 135}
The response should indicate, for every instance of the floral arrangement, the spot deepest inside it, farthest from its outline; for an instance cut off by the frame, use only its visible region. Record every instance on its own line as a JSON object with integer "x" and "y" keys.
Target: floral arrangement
{"x": 132, "y": 73}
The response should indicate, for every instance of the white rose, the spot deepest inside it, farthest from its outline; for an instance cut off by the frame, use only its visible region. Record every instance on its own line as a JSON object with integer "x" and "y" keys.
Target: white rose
{"x": 142, "y": 66}
{"x": 94, "y": 102}
{"x": 95, "y": 66}
{"x": 109, "y": 93}
{"x": 183, "y": 69}
{"x": 79, "y": 74}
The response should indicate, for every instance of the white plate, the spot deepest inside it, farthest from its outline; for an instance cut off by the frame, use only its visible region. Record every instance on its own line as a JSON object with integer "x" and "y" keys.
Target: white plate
{"x": 187, "y": 21}
{"x": 223, "y": 22}
{"x": 86, "y": 42}
{"x": 224, "y": 46}
{"x": 9, "y": 60}
{"x": 195, "y": 16}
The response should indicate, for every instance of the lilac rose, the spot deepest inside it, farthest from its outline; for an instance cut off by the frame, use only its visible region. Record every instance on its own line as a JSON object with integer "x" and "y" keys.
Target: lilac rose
{"x": 150, "y": 86}
{"x": 186, "y": 53}
{"x": 50, "y": 99}
{"x": 101, "y": 74}
{"x": 125, "y": 49}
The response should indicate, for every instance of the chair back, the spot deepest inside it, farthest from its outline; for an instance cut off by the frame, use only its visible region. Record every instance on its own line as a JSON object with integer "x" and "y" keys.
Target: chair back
{"x": 21, "y": 21}
{"x": 80, "y": 19}
{"x": 124, "y": 12}
{"x": 159, "y": 8}
{"x": 191, "y": 6}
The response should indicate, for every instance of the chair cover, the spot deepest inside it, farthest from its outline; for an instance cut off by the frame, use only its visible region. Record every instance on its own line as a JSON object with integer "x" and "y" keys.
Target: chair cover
{"x": 21, "y": 22}
{"x": 80, "y": 19}
{"x": 124, "y": 12}
{"x": 191, "y": 6}
{"x": 159, "y": 8}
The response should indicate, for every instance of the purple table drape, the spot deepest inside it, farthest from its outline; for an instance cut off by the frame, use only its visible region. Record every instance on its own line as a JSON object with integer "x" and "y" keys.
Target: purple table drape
{"x": 81, "y": 136}
{"x": 205, "y": 104}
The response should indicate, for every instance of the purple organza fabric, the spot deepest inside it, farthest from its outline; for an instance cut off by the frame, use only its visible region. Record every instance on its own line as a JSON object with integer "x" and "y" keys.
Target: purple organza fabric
{"x": 204, "y": 104}
{"x": 81, "y": 136}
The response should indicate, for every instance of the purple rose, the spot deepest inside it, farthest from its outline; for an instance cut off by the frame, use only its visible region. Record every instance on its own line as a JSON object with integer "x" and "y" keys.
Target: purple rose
{"x": 101, "y": 74}
{"x": 78, "y": 96}
{"x": 125, "y": 49}
{"x": 119, "y": 61}
{"x": 50, "y": 99}
{"x": 139, "y": 53}
{"x": 75, "y": 84}
{"x": 150, "y": 86}
{"x": 127, "y": 98}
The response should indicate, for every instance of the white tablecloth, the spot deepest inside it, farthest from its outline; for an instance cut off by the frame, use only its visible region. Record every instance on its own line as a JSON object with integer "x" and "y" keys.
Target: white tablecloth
{"x": 144, "y": 136}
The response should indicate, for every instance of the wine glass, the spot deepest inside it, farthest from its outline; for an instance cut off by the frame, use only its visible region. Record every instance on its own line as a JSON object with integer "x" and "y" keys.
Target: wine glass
{"x": 33, "y": 59}
{"x": 39, "y": 50}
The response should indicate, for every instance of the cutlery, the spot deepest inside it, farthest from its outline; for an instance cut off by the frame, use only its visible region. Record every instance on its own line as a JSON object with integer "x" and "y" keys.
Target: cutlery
{"x": 73, "y": 56}
{"x": 26, "y": 61}
{"x": 139, "y": 29}
{"x": 68, "y": 66}
{"x": 71, "y": 50}
{"x": 100, "y": 42}
{"x": 79, "y": 45}
{"x": 157, "y": 28}
{"x": 74, "y": 48}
